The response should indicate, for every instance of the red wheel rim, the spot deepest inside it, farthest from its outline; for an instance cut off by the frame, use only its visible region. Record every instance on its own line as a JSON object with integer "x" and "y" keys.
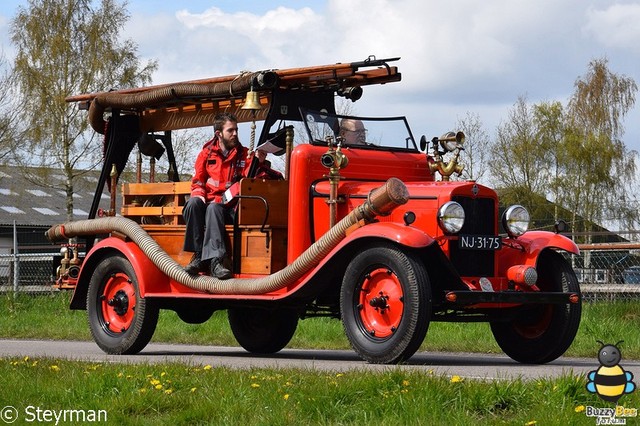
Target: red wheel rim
{"x": 538, "y": 328}
{"x": 118, "y": 303}
{"x": 380, "y": 303}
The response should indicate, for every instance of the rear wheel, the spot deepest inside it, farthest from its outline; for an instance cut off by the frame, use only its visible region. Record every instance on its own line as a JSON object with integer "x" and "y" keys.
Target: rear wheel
{"x": 385, "y": 303}
{"x": 263, "y": 331}
{"x": 541, "y": 333}
{"x": 121, "y": 322}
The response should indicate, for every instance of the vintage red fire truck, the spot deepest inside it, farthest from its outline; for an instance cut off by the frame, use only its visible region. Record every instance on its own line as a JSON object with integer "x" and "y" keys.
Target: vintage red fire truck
{"x": 374, "y": 233}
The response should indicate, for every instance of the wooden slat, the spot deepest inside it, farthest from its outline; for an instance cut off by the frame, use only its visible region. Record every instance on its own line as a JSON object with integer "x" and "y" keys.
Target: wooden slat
{"x": 151, "y": 211}
{"x": 251, "y": 212}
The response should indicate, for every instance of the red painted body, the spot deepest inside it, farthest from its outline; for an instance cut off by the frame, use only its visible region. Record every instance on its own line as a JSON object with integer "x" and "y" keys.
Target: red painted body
{"x": 394, "y": 271}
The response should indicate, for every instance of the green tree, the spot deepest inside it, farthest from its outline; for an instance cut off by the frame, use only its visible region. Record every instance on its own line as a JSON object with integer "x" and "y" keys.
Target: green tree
{"x": 67, "y": 47}
{"x": 9, "y": 112}
{"x": 521, "y": 160}
{"x": 598, "y": 169}
{"x": 549, "y": 121}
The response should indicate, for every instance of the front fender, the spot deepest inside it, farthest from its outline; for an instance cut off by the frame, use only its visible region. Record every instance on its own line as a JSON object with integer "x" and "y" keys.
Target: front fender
{"x": 526, "y": 249}
{"x": 150, "y": 278}
{"x": 401, "y": 234}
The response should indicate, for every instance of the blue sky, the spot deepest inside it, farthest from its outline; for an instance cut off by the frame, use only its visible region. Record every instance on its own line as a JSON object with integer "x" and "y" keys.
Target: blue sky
{"x": 457, "y": 57}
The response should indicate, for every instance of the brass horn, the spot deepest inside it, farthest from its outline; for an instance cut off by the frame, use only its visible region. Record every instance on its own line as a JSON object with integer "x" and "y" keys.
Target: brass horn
{"x": 446, "y": 140}
{"x": 252, "y": 101}
{"x": 450, "y": 137}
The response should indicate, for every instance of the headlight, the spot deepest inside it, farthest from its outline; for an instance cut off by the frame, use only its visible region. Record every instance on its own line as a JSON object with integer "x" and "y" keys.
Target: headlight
{"x": 451, "y": 217}
{"x": 515, "y": 220}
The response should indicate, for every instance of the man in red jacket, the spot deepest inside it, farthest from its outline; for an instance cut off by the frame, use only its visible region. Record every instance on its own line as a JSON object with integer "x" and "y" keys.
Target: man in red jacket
{"x": 222, "y": 162}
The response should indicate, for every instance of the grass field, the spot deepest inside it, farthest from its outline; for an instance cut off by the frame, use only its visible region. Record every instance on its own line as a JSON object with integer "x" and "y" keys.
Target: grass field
{"x": 177, "y": 394}
{"x": 43, "y": 390}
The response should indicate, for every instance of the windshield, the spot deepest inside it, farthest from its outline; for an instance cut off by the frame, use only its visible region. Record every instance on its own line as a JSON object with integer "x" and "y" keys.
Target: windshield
{"x": 361, "y": 132}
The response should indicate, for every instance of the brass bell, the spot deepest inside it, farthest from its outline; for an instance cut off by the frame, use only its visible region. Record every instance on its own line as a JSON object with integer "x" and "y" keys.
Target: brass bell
{"x": 252, "y": 101}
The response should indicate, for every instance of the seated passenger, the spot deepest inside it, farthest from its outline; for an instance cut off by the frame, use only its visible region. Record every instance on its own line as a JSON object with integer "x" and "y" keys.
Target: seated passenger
{"x": 222, "y": 162}
{"x": 353, "y": 132}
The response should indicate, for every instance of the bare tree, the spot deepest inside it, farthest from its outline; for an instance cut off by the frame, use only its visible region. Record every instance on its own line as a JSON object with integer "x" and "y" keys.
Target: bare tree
{"x": 68, "y": 47}
{"x": 476, "y": 146}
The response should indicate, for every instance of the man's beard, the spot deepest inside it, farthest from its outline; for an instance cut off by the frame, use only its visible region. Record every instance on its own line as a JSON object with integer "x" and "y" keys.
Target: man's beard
{"x": 229, "y": 143}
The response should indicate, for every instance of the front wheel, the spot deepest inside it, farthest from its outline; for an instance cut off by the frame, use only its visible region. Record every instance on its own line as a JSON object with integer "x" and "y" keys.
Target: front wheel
{"x": 263, "y": 331}
{"x": 121, "y": 322}
{"x": 385, "y": 302}
{"x": 541, "y": 333}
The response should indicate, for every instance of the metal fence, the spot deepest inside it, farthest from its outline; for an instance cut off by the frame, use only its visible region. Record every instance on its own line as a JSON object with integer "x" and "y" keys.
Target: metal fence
{"x": 605, "y": 271}
{"x": 27, "y": 273}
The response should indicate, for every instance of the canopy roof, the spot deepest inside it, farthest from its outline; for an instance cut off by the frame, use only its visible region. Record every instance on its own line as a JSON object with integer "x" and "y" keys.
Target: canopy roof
{"x": 194, "y": 103}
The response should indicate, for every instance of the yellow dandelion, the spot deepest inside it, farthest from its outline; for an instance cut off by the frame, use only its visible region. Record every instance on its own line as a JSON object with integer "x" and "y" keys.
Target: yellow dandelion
{"x": 288, "y": 384}
{"x": 26, "y": 359}
{"x": 404, "y": 390}
{"x": 155, "y": 382}
{"x": 531, "y": 423}
{"x": 163, "y": 374}
{"x": 168, "y": 391}
{"x": 54, "y": 368}
{"x": 579, "y": 408}
{"x": 143, "y": 390}
{"x": 286, "y": 396}
{"x": 405, "y": 383}
{"x": 255, "y": 385}
{"x": 158, "y": 387}
{"x": 34, "y": 363}
{"x": 120, "y": 374}
{"x": 339, "y": 375}
{"x": 456, "y": 379}
{"x": 129, "y": 376}
{"x": 193, "y": 390}
{"x": 254, "y": 377}
{"x": 207, "y": 367}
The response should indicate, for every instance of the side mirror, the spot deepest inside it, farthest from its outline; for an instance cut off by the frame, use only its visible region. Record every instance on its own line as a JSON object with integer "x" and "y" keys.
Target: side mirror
{"x": 423, "y": 143}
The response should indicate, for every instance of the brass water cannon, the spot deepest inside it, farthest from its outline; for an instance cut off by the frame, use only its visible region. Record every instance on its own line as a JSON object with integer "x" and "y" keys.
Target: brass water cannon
{"x": 450, "y": 142}
{"x": 334, "y": 159}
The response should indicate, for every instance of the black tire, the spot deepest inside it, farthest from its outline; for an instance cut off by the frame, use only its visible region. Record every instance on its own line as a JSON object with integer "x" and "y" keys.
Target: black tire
{"x": 195, "y": 314}
{"x": 541, "y": 333}
{"x": 121, "y": 322}
{"x": 263, "y": 331}
{"x": 385, "y": 303}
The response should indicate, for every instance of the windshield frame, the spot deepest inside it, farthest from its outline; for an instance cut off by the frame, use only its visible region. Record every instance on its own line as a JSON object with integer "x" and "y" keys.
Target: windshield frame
{"x": 330, "y": 123}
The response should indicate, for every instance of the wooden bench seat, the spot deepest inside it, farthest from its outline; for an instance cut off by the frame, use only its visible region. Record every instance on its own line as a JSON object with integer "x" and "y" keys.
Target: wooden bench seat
{"x": 257, "y": 250}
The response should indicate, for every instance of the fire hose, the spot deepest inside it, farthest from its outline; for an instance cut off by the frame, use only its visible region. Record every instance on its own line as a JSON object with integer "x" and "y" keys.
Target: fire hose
{"x": 380, "y": 202}
{"x": 147, "y": 99}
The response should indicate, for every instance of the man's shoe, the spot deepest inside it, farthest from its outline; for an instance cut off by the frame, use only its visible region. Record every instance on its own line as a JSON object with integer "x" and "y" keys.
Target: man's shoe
{"x": 196, "y": 265}
{"x": 219, "y": 271}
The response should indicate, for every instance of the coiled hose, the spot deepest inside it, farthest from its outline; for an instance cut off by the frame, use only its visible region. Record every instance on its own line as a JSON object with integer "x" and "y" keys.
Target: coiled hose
{"x": 381, "y": 202}
{"x": 149, "y": 98}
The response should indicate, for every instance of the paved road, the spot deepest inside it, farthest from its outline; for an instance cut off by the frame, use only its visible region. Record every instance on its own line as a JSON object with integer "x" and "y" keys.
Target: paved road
{"x": 461, "y": 364}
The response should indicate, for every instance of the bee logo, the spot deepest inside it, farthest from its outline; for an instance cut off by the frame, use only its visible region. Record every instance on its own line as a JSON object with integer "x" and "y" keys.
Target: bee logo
{"x": 610, "y": 381}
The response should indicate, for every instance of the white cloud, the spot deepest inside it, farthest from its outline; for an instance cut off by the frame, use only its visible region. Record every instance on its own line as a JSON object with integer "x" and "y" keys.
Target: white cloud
{"x": 616, "y": 26}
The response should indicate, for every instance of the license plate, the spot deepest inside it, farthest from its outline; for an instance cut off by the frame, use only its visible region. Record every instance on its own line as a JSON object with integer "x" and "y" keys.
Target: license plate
{"x": 479, "y": 242}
